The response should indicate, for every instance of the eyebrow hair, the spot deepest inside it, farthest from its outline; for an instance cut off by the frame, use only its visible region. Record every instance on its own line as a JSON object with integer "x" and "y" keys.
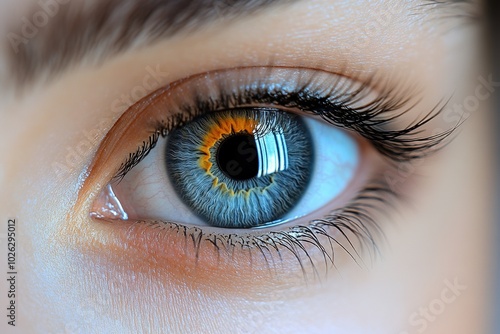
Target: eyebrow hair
{"x": 463, "y": 9}
{"x": 63, "y": 33}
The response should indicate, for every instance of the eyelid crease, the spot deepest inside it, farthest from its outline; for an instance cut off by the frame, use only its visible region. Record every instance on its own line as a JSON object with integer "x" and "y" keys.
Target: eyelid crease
{"x": 336, "y": 98}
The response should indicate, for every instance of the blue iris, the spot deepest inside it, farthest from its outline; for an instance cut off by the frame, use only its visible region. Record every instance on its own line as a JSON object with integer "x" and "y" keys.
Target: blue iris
{"x": 240, "y": 168}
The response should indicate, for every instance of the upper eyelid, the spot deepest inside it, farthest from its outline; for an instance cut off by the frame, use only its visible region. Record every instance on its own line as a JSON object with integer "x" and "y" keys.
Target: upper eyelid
{"x": 344, "y": 88}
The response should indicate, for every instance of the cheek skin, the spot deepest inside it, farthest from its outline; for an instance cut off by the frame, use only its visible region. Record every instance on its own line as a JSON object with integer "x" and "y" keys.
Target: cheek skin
{"x": 167, "y": 256}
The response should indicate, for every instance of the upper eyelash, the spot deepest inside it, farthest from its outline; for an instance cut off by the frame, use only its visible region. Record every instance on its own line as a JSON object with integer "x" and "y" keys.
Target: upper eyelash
{"x": 338, "y": 107}
{"x": 146, "y": 146}
{"x": 368, "y": 120}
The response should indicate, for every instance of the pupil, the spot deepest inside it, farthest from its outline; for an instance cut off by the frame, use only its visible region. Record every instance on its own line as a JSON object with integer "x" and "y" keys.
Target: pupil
{"x": 237, "y": 157}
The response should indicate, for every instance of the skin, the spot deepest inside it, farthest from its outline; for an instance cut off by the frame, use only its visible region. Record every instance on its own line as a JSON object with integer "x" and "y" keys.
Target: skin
{"x": 77, "y": 276}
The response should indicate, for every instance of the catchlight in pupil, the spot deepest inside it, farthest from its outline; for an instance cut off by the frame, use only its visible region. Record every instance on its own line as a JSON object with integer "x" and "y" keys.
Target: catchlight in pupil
{"x": 237, "y": 156}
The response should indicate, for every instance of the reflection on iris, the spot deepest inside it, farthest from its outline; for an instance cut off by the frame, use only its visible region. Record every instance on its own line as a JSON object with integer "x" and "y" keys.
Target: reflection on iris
{"x": 273, "y": 153}
{"x": 240, "y": 168}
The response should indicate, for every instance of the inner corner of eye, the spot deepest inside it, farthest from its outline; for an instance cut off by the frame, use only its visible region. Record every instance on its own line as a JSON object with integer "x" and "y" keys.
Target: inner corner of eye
{"x": 240, "y": 168}
{"x": 108, "y": 206}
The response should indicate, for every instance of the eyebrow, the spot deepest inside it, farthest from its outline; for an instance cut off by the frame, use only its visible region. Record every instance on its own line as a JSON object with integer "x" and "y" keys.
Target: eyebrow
{"x": 63, "y": 33}
{"x": 66, "y": 32}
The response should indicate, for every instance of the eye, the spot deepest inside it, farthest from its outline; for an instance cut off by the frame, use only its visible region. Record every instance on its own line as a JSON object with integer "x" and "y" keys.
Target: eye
{"x": 243, "y": 168}
{"x": 269, "y": 160}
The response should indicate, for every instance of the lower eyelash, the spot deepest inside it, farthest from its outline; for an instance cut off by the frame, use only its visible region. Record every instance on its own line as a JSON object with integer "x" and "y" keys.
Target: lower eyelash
{"x": 353, "y": 224}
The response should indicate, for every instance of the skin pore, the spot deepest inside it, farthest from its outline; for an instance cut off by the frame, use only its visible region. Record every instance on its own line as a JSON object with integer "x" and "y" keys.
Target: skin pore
{"x": 77, "y": 275}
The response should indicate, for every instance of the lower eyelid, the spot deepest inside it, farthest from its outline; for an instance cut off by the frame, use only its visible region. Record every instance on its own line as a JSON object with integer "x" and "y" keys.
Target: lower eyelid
{"x": 177, "y": 253}
{"x": 168, "y": 252}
